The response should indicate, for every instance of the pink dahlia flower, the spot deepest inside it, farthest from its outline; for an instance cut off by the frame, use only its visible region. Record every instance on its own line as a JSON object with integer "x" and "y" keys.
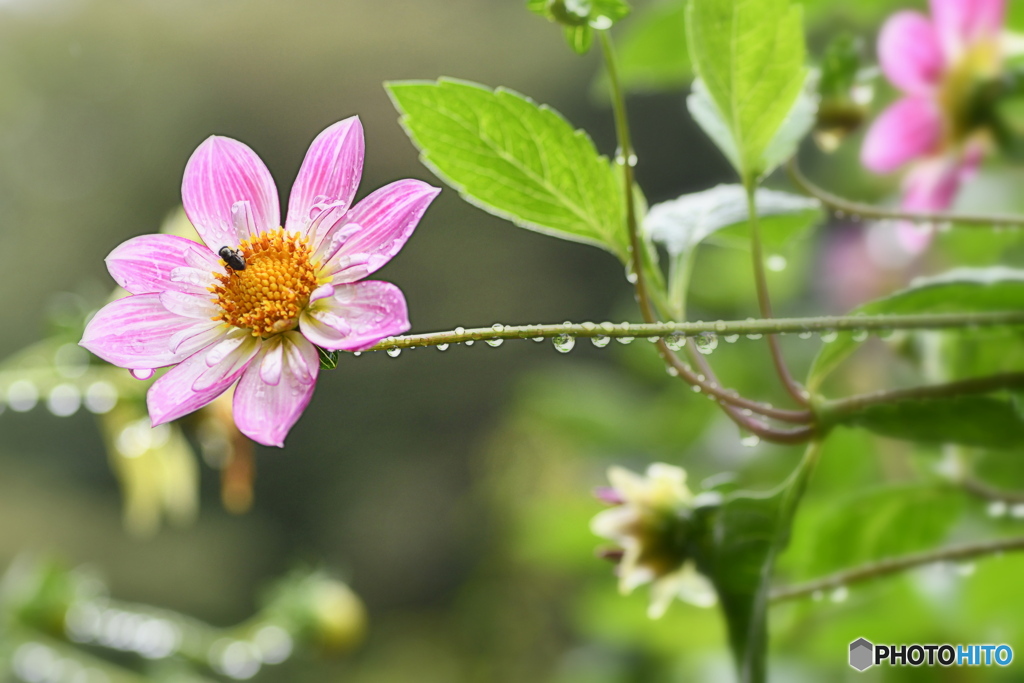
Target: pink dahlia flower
{"x": 252, "y": 304}
{"x": 936, "y": 62}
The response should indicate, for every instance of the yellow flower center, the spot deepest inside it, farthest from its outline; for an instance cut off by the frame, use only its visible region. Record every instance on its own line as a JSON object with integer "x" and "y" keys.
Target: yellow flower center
{"x": 962, "y": 85}
{"x": 268, "y": 295}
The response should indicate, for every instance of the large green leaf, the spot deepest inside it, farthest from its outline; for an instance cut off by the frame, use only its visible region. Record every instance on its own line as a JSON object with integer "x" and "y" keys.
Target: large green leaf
{"x": 515, "y": 159}
{"x": 961, "y": 290}
{"x": 881, "y": 522}
{"x": 737, "y": 552}
{"x": 981, "y": 421}
{"x": 749, "y": 55}
{"x": 681, "y": 224}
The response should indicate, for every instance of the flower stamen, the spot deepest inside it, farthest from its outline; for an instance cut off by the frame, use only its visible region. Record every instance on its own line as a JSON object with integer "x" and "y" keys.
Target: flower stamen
{"x": 275, "y": 286}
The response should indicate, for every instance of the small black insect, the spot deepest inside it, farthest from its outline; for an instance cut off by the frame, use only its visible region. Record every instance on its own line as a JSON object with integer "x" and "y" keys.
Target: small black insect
{"x": 233, "y": 258}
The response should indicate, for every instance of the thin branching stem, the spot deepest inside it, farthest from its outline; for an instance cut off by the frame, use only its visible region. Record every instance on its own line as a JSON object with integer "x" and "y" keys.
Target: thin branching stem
{"x": 836, "y": 409}
{"x": 863, "y": 210}
{"x": 626, "y": 159}
{"x": 764, "y": 299}
{"x": 894, "y": 565}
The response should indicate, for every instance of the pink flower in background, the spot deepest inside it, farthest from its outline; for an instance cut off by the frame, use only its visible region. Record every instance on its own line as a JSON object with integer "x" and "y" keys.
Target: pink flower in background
{"x": 252, "y": 304}
{"x": 936, "y": 63}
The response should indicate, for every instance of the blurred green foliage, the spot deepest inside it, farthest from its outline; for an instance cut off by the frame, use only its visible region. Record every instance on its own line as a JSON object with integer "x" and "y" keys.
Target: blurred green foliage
{"x": 454, "y": 487}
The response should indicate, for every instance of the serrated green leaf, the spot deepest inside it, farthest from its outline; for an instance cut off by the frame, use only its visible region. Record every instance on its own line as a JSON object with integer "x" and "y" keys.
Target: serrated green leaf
{"x": 749, "y": 55}
{"x": 960, "y": 290}
{"x": 515, "y": 159}
{"x": 881, "y": 522}
{"x": 981, "y": 421}
{"x": 681, "y": 224}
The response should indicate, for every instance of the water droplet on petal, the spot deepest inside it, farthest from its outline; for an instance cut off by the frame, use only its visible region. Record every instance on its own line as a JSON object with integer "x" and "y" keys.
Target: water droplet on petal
{"x": 731, "y": 338}
{"x": 394, "y": 352}
{"x": 653, "y": 340}
{"x": 600, "y": 341}
{"x": 460, "y": 330}
{"x": 695, "y": 388}
{"x": 563, "y": 343}
{"x": 671, "y": 370}
{"x": 859, "y": 335}
{"x": 706, "y": 342}
{"x": 631, "y": 278}
{"x": 142, "y": 373}
{"x": 442, "y": 347}
{"x": 469, "y": 342}
{"x": 754, "y": 336}
{"x": 840, "y": 594}
{"x": 806, "y": 334}
{"x": 624, "y": 340}
{"x": 494, "y": 342}
{"x": 538, "y": 339}
{"x": 829, "y": 336}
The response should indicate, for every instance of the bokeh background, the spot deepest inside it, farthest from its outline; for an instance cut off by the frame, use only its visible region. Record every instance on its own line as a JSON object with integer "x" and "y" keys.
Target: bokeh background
{"x": 450, "y": 490}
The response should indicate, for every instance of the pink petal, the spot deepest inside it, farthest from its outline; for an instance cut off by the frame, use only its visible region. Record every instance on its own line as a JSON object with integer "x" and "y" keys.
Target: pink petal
{"x": 356, "y": 317}
{"x": 961, "y": 23}
{"x": 909, "y": 128}
{"x": 244, "y": 221}
{"x": 332, "y": 169}
{"x": 145, "y": 264}
{"x": 931, "y": 186}
{"x": 193, "y": 384}
{"x": 199, "y": 306}
{"x": 910, "y": 54}
{"x": 136, "y": 333}
{"x": 220, "y": 173}
{"x": 265, "y": 412}
{"x": 385, "y": 220}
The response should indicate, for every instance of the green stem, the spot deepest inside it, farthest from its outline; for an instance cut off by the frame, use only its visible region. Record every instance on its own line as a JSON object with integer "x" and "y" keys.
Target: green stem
{"x": 834, "y": 411}
{"x": 931, "y": 321}
{"x": 764, "y": 300}
{"x": 752, "y": 660}
{"x": 837, "y": 203}
{"x": 895, "y": 565}
{"x": 626, "y": 158}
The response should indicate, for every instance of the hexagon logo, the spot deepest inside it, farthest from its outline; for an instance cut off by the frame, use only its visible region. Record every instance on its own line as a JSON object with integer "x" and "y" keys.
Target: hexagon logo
{"x": 861, "y": 652}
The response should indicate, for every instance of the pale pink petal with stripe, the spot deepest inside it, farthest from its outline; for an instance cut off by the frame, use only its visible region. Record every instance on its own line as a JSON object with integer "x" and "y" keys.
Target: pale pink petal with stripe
{"x": 221, "y": 173}
{"x": 135, "y": 332}
{"x": 356, "y": 316}
{"x": 265, "y": 411}
{"x": 331, "y": 171}
{"x": 192, "y": 383}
